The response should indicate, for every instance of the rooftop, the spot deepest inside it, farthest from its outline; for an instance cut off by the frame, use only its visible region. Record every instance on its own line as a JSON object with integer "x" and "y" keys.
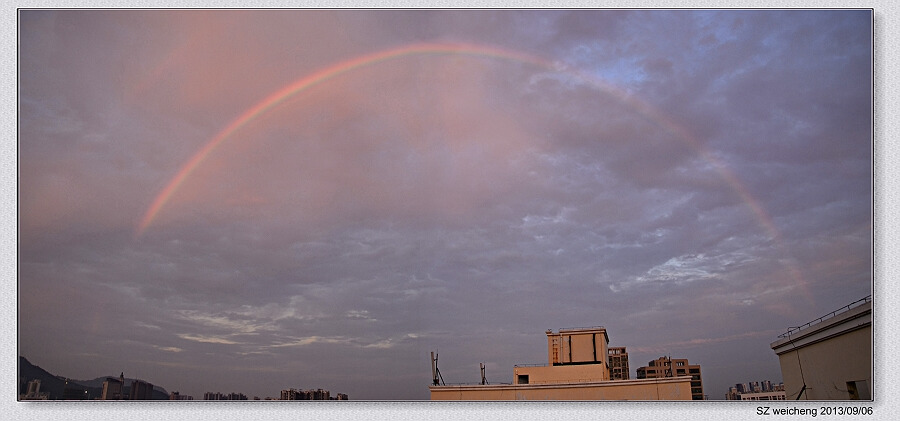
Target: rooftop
{"x": 796, "y": 329}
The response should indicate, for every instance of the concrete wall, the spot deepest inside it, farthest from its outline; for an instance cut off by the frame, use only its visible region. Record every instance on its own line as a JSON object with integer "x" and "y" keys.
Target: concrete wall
{"x": 577, "y": 346}
{"x": 673, "y": 388}
{"x": 828, "y": 366}
{"x": 562, "y": 373}
{"x": 828, "y": 355}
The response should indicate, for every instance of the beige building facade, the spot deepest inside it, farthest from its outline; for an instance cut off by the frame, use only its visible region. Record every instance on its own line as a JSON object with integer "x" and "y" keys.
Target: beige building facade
{"x": 829, "y": 358}
{"x": 618, "y": 390}
{"x": 760, "y": 396}
{"x": 577, "y": 369}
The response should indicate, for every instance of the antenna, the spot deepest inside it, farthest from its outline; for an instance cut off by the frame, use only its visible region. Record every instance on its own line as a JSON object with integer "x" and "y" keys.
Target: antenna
{"x": 483, "y": 379}
{"x": 435, "y": 371}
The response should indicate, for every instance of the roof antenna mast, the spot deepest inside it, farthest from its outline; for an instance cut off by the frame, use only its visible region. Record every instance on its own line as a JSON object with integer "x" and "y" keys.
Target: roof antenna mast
{"x": 483, "y": 379}
{"x": 436, "y": 377}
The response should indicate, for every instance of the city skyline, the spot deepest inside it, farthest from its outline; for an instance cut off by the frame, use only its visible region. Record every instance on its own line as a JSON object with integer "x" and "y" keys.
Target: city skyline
{"x": 234, "y": 199}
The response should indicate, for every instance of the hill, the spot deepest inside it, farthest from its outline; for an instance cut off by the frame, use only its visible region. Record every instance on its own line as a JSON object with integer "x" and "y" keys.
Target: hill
{"x": 63, "y": 388}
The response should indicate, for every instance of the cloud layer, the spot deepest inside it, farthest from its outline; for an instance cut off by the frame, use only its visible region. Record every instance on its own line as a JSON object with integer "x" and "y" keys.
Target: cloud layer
{"x": 695, "y": 181}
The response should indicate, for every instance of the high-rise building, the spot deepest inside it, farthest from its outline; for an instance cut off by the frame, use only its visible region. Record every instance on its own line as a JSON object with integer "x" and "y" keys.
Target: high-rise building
{"x": 113, "y": 388}
{"x": 33, "y": 392}
{"x": 618, "y": 364}
{"x": 34, "y": 388}
{"x": 140, "y": 391}
{"x": 289, "y": 395}
{"x": 674, "y": 367}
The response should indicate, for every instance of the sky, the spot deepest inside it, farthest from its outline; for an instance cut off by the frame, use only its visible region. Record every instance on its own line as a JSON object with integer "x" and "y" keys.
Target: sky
{"x": 250, "y": 201}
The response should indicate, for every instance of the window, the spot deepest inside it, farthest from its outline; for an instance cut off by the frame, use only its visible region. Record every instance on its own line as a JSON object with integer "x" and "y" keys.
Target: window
{"x": 523, "y": 379}
{"x": 679, "y": 363}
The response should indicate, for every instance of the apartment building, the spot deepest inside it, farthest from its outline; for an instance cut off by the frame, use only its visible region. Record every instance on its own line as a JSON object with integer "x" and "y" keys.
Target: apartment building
{"x": 618, "y": 364}
{"x": 663, "y": 367}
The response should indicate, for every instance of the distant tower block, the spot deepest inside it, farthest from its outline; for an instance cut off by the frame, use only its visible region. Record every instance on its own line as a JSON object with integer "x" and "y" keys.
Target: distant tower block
{"x": 618, "y": 364}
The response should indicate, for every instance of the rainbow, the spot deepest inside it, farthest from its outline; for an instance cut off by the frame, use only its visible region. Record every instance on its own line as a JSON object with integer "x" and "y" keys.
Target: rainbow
{"x": 304, "y": 83}
{"x": 343, "y": 67}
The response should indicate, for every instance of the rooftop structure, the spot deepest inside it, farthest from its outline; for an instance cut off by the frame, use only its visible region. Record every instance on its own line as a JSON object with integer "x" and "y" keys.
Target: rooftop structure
{"x": 576, "y": 369}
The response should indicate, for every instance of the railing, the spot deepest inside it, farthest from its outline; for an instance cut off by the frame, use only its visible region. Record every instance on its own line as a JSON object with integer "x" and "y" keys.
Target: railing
{"x": 795, "y": 329}
{"x": 571, "y": 329}
{"x": 531, "y": 365}
{"x": 475, "y": 384}
{"x": 566, "y": 381}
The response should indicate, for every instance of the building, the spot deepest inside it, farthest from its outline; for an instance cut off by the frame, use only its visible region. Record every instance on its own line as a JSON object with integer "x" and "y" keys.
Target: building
{"x": 290, "y": 395}
{"x": 829, "y": 358}
{"x": 755, "y": 396}
{"x": 140, "y": 391}
{"x": 113, "y": 388}
{"x": 216, "y": 396}
{"x": 765, "y": 392}
{"x": 175, "y": 396}
{"x": 311, "y": 395}
{"x": 320, "y": 395}
{"x": 33, "y": 392}
{"x": 577, "y": 369}
{"x": 34, "y": 389}
{"x": 618, "y": 364}
{"x": 673, "y": 367}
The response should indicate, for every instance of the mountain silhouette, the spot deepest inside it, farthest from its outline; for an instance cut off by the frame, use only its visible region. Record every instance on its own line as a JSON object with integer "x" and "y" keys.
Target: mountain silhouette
{"x": 63, "y": 388}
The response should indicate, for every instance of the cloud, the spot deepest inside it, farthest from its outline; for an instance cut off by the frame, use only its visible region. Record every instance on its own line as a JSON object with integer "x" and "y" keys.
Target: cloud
{"x": 212, "y": 339}
{"x": 667, "y": 169}
{"x": 683, "y": 346}
{"x": 170, "y": 349}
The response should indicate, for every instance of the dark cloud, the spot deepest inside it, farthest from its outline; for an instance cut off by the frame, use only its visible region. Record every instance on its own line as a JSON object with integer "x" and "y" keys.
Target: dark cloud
{"x": 695, "y": 181}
